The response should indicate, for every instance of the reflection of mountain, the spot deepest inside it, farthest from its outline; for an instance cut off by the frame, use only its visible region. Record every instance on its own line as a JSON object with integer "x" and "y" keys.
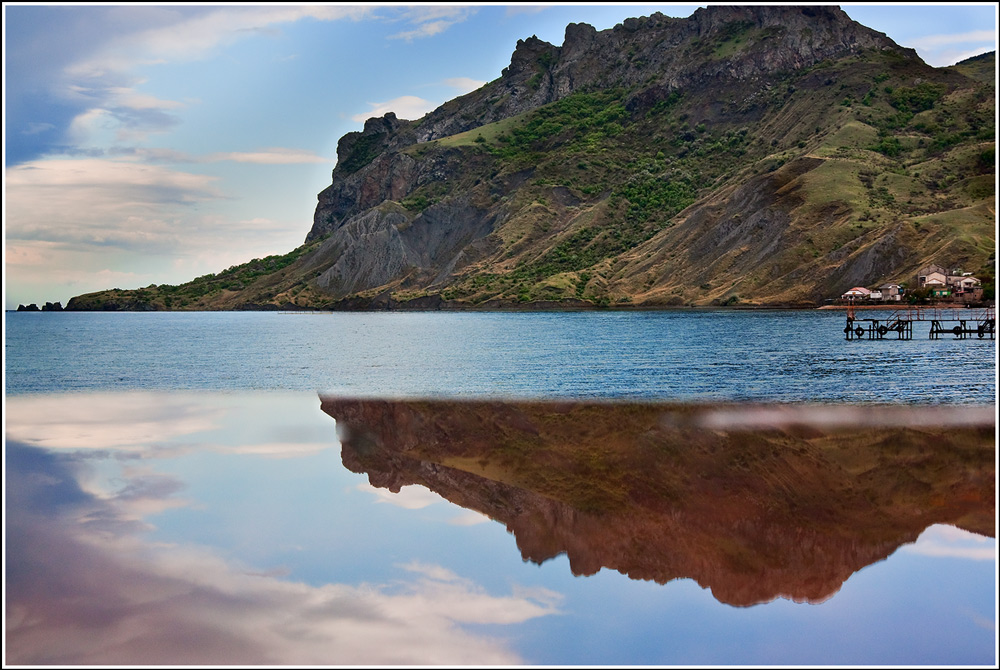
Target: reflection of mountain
{"x": 751, "y": 502}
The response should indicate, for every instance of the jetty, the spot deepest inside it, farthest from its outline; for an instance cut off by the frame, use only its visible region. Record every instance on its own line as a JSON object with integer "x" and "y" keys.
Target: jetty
{"x": 962, "y": 323}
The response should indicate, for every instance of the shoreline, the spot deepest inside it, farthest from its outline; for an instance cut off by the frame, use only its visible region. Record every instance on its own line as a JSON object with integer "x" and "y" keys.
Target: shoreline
{"x": 513, "y": 309}
{"x": 436, "y": 304}
{"x": 905, "y": 306}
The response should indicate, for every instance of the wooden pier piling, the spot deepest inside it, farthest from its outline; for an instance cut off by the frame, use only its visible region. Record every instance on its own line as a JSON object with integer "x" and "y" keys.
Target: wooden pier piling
{"x": 962, "y": 323}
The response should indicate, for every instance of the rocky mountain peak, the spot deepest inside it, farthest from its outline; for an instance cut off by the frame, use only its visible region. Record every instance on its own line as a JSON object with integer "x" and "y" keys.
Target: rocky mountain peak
{"x": 527, "y": 54}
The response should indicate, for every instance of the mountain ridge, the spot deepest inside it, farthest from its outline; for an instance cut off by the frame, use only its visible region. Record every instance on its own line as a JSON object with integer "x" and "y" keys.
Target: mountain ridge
{"x": 744, "y": 155}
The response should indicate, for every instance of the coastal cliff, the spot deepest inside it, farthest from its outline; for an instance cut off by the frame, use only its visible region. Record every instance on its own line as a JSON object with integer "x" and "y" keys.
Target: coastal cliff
{"x": 743, "y": 155}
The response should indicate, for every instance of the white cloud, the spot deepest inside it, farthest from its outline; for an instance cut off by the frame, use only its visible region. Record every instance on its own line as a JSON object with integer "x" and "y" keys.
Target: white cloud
{"x": 272, "y": 156}
{"x": 118, "y": 113}
{"x": 191, "y": 38}
{"x": 935, "y": 41}
{"x": 86, "y": 125}
{"x": 268, "y": 156}
{"x": 946, "y": 57}
{"x": 127, "y": 97}
{"x": 404, "y": 107}
{"x": 464, "y": 84}
{"x": 27, "y": 255}
{"x": 69, "y": 219}
{"x": 102, "y": 202}
{"x": 104, "y": 82}
{"x": 427, "y": 29}
{"x": 432, "y": 20}
{"x": 35, "y": 128}
{"x": 942, "y": 50}
{"x": 514, "y": 10}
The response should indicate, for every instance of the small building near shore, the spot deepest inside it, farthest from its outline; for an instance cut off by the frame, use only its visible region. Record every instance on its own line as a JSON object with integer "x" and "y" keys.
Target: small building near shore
{"x": 858, "y": 293}
{"x": 953, "y": 285}
{"x": 932, "y": 275}
{"x": 891, "y": 292}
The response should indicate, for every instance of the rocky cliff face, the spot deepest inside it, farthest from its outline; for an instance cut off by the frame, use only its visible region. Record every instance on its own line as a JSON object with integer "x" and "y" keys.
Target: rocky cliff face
{"x": 658, "y": 54}
{"x": 654, "y": 52}
{"x": 728, "y": 68}
{"x": 790, "y": 507}
{"x": 754, "y": 154}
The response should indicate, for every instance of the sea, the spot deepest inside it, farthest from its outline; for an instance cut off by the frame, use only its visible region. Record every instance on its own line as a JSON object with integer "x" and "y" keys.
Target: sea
{"x": 735, "y": 355}
{"x": 462, "y": 488}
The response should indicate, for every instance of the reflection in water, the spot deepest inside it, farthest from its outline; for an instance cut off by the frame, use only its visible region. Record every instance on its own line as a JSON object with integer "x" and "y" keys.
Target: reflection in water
{"x": 754, "y": 503}
{"x": 84, "y": 584}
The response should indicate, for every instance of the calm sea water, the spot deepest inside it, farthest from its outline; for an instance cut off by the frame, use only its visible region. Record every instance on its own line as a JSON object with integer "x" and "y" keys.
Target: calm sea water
{"x": 788, "y": 356}
{"x": 176, "y": 493}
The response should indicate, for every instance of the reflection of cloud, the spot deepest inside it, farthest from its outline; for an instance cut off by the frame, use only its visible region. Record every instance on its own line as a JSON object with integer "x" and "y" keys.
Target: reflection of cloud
{"x": 149, "y": 425}
{"x": 950, "y": 542}
{"x": 409, "y": 497}
{"x": 468, "y": 518}
{"x": 756, "y": 417}
{"x": 404, "y": 107}
{"x": 470, "y": 603}
{"x": 419, "y": 497}
{"x": 139, "y": 423}
{"x": 96, "y": 596}
{"x": 275, "y": 449}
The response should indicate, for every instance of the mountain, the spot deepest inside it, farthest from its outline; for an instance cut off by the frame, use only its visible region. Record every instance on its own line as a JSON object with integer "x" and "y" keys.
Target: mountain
{"x": 743, "y": 155}
{"x": 752, "y": 502}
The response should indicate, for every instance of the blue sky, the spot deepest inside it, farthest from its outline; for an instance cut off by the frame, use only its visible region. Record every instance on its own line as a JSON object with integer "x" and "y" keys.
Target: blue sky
{"x": 156, "y": 143}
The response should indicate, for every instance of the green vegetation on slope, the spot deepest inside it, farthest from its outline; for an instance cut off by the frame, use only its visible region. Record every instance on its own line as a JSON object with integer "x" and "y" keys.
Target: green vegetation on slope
{"x": 199, "y": 293}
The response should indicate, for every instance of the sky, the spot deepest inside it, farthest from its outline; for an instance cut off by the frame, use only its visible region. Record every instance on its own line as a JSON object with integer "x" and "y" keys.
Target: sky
{"x": 155, "y": 143}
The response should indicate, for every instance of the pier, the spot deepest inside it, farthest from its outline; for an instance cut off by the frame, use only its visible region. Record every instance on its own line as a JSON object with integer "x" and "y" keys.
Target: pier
{"x": 962, "y": 323}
